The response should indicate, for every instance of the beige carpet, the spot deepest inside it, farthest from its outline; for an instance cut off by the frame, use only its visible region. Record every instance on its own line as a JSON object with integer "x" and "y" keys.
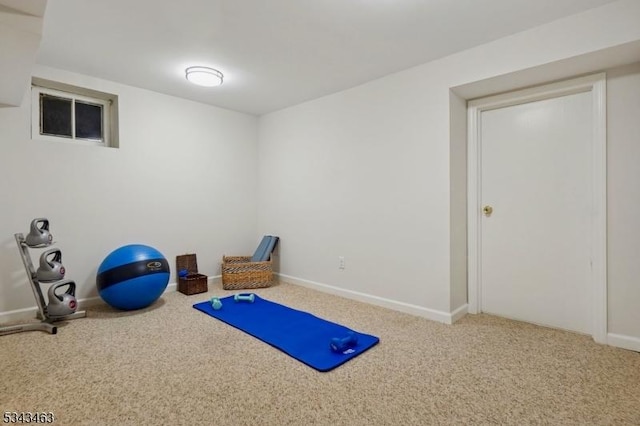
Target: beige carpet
{"x": 170, "y": 364}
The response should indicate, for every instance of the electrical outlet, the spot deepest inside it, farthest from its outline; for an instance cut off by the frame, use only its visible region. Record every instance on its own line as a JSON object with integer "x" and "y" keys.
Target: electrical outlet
{"x": 340, "y": 262}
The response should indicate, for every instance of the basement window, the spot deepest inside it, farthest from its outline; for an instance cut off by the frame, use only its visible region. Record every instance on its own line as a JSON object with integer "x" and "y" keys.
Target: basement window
{"x": 62, "y": 112}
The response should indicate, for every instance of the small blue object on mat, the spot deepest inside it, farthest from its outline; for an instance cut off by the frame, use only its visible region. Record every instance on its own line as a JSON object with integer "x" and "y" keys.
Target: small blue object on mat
{"x": 299, "y": 334}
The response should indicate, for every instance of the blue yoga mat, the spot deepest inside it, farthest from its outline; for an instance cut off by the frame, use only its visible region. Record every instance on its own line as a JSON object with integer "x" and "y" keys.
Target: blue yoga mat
{"x": 299, "y": 334}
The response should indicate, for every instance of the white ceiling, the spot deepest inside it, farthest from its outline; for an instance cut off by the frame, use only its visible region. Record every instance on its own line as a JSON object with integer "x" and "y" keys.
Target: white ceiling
{"x": 274, "y": 53}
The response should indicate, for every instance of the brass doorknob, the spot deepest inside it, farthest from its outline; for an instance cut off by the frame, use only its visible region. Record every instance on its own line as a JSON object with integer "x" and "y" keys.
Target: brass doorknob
{"x": 487, "y": 210}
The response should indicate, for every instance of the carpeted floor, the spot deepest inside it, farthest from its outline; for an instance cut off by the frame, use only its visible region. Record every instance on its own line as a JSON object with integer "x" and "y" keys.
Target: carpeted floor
{"x": 170, "y": 364}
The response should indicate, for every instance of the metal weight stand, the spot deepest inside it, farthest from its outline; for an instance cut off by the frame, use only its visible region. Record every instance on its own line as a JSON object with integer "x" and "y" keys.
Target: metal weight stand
{"x": 46, "y": 320}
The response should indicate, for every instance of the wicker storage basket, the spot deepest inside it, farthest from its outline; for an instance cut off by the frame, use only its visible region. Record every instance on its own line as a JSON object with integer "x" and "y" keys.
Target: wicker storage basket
{"x": 193, "y": 282}
{"x": 239, "y": 272}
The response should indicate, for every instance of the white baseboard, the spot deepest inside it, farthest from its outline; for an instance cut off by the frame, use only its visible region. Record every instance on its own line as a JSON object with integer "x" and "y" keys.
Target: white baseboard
{"x": 624, "y": 342}
{"x": 459, "y": 313}
{"x": 18, "y": 315}
{"x": 431, "y": 314}
{"x": 32, "y": 311}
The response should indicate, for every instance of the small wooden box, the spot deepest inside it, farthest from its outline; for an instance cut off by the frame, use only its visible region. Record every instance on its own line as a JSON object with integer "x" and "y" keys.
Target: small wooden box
{"x": 193, "y": 282}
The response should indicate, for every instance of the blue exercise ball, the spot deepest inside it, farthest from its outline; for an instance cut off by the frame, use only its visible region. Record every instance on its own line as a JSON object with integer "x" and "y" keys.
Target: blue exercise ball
{"x": 132, "y": 277}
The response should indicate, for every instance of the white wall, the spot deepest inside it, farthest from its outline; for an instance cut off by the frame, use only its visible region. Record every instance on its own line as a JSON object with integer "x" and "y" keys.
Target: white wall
{"x": 20, "y": 35}
{"x": 458, "y": 197}
{"x": 183, "y": 180}
{"x": 367, "y": 173}
{"x": 623, "y": 174}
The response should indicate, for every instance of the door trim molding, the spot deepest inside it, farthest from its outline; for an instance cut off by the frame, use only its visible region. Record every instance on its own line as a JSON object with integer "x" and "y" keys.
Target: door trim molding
{"x": 596, "y": 85}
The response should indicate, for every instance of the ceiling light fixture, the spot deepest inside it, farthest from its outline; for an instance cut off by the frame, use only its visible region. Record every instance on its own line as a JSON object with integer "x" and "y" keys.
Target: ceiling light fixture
{"x": 204, "y": 76}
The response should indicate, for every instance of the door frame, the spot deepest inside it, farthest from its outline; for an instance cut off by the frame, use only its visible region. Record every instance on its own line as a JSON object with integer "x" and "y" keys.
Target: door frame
{"x": 596, "y": 85}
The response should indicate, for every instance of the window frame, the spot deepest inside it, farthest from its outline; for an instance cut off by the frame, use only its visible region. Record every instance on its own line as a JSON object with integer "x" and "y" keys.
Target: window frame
{"x": 74, "y": 94}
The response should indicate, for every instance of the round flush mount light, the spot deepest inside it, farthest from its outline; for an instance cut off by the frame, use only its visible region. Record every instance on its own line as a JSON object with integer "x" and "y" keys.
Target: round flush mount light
{"x": 204, "y": 76}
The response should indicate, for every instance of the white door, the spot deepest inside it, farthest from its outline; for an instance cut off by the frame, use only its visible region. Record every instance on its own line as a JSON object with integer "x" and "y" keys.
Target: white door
{"x": 536, "y": 242}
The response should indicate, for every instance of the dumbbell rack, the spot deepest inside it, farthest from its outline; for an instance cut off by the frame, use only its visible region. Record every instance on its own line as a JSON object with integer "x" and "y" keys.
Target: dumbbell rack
{"x": 46, "y": 321}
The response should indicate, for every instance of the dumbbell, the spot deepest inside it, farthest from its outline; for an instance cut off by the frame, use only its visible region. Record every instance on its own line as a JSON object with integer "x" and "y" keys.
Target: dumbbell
{"x": 216, "y": 303}
{"x": 244, "y": 297}
{"x": 341, "y": 344}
